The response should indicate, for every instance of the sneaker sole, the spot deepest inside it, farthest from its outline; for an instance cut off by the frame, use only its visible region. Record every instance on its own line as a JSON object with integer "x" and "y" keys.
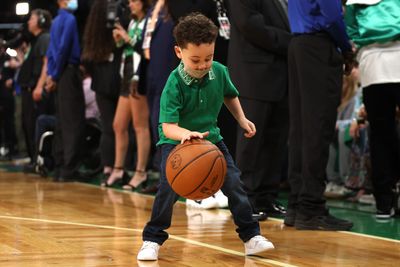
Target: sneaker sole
{"x": 271, "y": 247}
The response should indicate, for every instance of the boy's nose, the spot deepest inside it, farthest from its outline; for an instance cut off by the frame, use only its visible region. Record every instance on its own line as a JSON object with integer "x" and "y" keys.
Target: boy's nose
{"x": 202, "y": 67}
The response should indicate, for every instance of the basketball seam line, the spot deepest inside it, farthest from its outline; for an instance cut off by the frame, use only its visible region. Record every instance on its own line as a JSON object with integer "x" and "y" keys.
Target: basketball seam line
{"x": 176, "y": 150}
{"x": 209, "y": 151}
{"x": 219, "y": 156}
{"x": 225, "y": 172}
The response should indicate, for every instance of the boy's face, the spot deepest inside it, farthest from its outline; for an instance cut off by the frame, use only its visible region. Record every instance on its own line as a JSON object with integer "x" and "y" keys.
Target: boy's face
{"x": 197, "y": 59}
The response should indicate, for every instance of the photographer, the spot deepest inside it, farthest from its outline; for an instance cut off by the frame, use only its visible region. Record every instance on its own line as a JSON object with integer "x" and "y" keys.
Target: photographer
{"x": 31, "y": 78}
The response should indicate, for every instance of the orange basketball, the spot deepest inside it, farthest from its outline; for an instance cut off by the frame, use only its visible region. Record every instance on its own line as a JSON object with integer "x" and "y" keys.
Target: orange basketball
{"x": 196, "y": 169}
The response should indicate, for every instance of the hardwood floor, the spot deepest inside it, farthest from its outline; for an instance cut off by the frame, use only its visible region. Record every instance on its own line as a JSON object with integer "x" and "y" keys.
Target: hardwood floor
{"x": 49, "y": 224}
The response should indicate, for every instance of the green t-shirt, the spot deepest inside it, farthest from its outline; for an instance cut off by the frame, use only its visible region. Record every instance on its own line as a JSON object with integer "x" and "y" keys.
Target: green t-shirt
{"x": 378, "y": 23}
{"x": 195, "y": 103}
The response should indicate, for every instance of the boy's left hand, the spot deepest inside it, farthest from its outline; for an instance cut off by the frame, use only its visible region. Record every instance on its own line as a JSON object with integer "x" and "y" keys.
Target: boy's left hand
{"x": 248, "y": 126}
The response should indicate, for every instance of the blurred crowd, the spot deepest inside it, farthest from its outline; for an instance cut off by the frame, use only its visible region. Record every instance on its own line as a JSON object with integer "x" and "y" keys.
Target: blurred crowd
{"x": 88, "y": 104}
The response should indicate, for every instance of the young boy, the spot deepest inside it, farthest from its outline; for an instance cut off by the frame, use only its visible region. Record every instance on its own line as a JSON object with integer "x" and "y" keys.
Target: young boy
{"x": 189, "y": 107}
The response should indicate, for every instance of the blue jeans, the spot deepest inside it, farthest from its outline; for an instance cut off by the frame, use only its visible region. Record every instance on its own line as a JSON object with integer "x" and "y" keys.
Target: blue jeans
{"x": 165, "y": 199}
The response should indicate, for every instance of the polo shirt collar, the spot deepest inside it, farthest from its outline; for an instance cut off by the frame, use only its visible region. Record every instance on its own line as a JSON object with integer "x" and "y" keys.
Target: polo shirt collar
{"x": 187, "y": 79}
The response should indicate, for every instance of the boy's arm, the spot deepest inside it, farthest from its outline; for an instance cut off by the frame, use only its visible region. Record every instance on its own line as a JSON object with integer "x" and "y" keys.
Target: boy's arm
{"x": 233, "y": 105}
{"x": 174, "y": 132}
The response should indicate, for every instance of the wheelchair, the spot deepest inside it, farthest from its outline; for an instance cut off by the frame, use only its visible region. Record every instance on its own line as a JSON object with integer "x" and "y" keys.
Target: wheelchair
{"x": 91, "y": 150}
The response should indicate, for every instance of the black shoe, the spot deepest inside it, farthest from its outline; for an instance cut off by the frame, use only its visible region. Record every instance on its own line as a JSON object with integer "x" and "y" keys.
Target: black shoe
{"x": 29, "y": 168}
{"x": 56, "y": 175}
{"x": 290, "y": 217}
{"x": 120, "y": 181}
{"x": 152, "y": 189}
{"x": 386, "y": 214}
{"x": 325, "y": 222}
{"x": 260, "y": 216}
{"x": 76, "y": 177}
{"x": 275, "y": 209}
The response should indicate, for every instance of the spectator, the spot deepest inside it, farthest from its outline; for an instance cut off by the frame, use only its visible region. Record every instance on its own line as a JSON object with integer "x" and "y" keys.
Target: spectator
{"x": 315, "y": 86}
{"x": 102, "y": 60}
{"x": 258, "y": 65}
{"x": 32, "y": 77}
{"x": 64, "y": 77}
{"x": 374, "y": 26}
{"x": 132, "y": 103}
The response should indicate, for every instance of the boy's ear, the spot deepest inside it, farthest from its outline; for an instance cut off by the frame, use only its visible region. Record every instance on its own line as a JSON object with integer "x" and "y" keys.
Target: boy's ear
{"x": 178, "y": 52}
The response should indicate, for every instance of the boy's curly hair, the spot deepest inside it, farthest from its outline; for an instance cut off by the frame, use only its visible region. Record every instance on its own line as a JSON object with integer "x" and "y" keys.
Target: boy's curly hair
{"x": 195, "y": 28}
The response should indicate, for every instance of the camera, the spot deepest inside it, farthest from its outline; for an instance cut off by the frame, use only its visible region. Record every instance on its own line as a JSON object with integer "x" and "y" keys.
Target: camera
{"x": 16, "y": 37}
{"x": 112, "y": 12}
{"x": 117, "y": 12}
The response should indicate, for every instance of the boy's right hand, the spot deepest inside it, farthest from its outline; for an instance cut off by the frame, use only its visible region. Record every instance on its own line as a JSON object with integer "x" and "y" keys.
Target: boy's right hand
{"x": 191, "y": 135}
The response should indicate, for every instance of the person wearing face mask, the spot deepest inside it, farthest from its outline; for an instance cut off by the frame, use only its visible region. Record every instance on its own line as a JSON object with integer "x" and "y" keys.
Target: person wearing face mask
{"x": 63, "y": 77}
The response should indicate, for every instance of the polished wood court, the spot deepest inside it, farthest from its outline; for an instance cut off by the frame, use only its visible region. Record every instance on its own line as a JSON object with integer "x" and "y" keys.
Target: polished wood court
{"x": 73, "y": 224}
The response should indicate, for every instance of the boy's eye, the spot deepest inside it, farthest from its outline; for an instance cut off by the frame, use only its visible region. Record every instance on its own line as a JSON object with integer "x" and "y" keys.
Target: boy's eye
{"x": 195, "y": 61}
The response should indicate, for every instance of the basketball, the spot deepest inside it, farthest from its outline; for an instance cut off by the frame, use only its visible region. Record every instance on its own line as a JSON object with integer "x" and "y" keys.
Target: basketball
{"x": 196, "y": 169}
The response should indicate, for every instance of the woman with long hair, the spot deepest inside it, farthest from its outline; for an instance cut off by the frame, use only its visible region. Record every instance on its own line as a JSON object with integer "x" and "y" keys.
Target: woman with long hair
{"x": 102, "y": 60}
{"x": 132, "y": 102}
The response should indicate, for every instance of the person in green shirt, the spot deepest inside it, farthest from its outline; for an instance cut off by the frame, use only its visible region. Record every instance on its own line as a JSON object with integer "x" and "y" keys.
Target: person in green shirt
{"x": 374, "y": 27}
{"x": 189, "y": 107}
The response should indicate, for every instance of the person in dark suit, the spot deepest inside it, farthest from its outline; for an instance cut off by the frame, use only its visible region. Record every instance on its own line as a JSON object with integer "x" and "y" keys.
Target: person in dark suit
{"x": 315, "y": 87}
{"x": 257, "y": 60}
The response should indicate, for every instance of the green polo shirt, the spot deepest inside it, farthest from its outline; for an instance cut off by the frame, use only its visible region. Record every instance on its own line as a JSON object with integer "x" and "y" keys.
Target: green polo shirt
{"x": 195, "y": 103}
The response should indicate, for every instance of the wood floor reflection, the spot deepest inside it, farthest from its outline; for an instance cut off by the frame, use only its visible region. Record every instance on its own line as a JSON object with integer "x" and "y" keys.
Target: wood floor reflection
{"x": 49, "y": 224}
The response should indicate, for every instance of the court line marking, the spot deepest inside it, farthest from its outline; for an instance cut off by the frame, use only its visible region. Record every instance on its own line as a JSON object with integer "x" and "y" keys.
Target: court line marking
{"x": 193, "y": 242}
{"x": 353, "y": 233}
{"x": 269, "y": 218}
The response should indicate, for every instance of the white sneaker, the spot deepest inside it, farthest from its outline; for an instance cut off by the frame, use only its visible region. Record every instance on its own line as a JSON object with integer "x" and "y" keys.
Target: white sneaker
{"x": 148, "y": 251}
{"x": 385, "y": 215}
{"x": 367, "y": 199}
{"x": 207, "y": 203}
{"x": 257, "y": 244}
{"x": 221, "y": 199}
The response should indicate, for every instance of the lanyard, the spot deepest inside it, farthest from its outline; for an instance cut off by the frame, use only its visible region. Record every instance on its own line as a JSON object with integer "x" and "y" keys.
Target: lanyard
{"x": 224, "y": 24}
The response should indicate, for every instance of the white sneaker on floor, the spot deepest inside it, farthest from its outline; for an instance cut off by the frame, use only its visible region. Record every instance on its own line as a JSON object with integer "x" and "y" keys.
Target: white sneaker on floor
{"x": 257, "y": 244}
{"x": 207, "y": 203}
{"x": 148, "y": 251}
{"x": 221, "y": 199}
{"x": 336, "y": 191}
{"x": 367, "y": 199}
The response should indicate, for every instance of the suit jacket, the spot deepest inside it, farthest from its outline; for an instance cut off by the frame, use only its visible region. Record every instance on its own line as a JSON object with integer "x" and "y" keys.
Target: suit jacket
{"x": 180, "y": 8}
{"x": 257, "y": 58}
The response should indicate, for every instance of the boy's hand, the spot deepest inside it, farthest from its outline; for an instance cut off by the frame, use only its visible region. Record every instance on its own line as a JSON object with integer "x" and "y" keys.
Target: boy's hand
{"x": 191, "y": 135}
{"x": 248, "y": 126}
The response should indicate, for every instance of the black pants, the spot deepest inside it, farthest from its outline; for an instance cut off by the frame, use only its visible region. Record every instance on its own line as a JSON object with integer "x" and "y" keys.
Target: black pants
{"x": 260, "y": 158}
{"x": 380, "y": 102}
{"x": 107, "y": 106}
{"x": 70, "y": 121}
{"x": 29, "y": 116}
{"x": 228, "y": 126}
{"x": 8, "y": 136}
{"x": 315, "y": 85}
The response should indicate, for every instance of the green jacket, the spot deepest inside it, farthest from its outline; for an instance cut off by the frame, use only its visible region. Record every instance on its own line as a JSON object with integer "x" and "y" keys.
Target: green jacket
{"x": 378, "y": 23}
